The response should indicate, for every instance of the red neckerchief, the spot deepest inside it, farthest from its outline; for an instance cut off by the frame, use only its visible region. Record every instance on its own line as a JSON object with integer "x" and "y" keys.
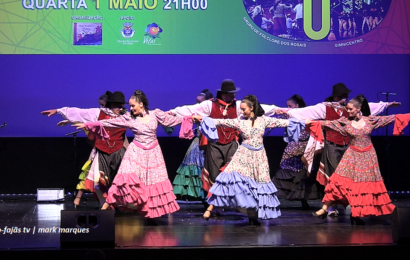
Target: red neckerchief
{"x": 226, "y": 105}
{"x": 220, "y": 101}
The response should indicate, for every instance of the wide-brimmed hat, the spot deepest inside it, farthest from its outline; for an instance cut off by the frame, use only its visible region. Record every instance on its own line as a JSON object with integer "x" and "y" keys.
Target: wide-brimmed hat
{"x": 116, "y": 97}
{"x": 339, "y": 89}
{"x": 228, "y": 86}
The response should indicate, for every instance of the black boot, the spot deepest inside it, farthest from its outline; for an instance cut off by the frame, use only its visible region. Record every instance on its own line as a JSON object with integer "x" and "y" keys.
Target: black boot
{"x": 356, "y": 220}
{"x": 253, "y": 217}
{"x": 305, "y": 205}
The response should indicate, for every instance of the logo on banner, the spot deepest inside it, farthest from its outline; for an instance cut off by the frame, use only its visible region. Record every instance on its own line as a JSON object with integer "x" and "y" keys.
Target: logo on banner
{"x": 309, "y": 20}
{"x": 152, "y": 33}
{"x": 127, "y": 30}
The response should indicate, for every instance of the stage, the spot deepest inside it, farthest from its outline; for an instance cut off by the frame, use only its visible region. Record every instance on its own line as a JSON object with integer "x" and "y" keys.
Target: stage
{"x": 185, "y": 235}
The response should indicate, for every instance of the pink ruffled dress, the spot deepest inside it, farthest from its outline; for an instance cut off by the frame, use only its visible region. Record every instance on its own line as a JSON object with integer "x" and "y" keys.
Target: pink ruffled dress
{"x": 142, "y": 180}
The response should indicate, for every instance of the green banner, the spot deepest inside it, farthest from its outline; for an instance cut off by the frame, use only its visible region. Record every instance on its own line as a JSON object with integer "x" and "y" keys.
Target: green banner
{"x": 179, "y": 27}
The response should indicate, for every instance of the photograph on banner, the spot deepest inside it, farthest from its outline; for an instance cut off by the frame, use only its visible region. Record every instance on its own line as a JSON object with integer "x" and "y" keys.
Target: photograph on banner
{"x": 295, "y": 19}
{"x": 87, "y": 33}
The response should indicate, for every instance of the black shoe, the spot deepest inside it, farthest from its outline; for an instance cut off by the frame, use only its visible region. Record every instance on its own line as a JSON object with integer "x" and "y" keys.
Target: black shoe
{"x": 254, "y": 222}
{"x": 253, "y": 217}
{"x": 151, "y": 222}
{"x": 305, "y": 205}
{"x": 322, "y": 216}
{"x": 356, "y": 220}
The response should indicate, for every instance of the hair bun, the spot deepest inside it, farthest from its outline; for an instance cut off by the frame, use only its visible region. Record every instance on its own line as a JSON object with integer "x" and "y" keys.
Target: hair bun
{"x": 138, "y": 93}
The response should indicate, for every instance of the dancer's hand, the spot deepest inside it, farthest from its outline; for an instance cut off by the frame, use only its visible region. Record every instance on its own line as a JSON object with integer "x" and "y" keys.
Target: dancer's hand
{"x": 394, "y": 104}
{"x": 308, "y": 122}
{"x": 63, "y": 123}
{"x": 78, "y": 125}
{"x": 49, "y": 112}
{"x": 196, "y": 118}
{"x": 281, "y": 111}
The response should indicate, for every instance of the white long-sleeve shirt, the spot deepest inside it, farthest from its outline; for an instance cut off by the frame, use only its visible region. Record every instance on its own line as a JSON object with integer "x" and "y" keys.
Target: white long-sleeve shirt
{"x": 318, "y": 112}
{"x": 74, "y": 114}
{"x": 204, "y": 109}
{"x": 298, "y": 10}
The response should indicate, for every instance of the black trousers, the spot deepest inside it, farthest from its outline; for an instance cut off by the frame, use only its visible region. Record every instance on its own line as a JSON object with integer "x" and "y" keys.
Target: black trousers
{"x": 218, "y": 155}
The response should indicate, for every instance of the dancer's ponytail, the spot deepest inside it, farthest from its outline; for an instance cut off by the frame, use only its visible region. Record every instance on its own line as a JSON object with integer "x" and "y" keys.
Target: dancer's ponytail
{"x": 361, "y": 101}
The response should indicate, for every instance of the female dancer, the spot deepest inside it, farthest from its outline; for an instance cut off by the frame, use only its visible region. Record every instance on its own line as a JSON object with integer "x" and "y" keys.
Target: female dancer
{"x": 188, "y": 180}
{"x": 357, "y": 181}
{"x": 142, "y": 181}
{"x": 291, "y": 180}
{"x": 245, "y": 182}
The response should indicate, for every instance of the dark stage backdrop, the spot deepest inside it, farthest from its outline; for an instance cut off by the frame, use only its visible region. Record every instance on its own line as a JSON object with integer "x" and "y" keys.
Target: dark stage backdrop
{"x": 30, "y": 163}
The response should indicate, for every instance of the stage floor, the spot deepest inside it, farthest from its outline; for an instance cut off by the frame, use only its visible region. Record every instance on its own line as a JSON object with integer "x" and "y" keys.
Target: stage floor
{"x": 186, "y": 228}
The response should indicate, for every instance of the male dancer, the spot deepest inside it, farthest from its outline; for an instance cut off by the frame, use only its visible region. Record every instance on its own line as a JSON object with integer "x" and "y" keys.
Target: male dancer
{"x": 109, "y": 152}
{"x": 218, "y": 154}
{"x": 335, "y": 143}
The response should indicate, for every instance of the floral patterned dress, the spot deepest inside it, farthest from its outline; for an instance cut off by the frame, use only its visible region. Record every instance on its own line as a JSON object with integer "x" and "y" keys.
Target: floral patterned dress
{"x": 142, "y": 180}
{"x": 245, "y": 182}
{"x": 188, "y": 181}
{"x": 357, "y": 180}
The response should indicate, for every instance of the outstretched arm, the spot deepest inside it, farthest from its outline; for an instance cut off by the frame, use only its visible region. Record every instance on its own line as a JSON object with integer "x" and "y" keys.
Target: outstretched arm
{"x": 272, "y": 122}
{"x": 230, "y": 123}
{"x": 74, "y": 114}
{"x": 271, "y": 110}
{"x": 378, "y": 108}
{"x": 123, "y": 121}
{"x": 380, "y": 121}
{"x": 98, "y": 127}
{"x": 315, "y": 112}
{"x": 166, "y": 119}
{"x": 337, "y": 125}
{"x": 203, "y": 109}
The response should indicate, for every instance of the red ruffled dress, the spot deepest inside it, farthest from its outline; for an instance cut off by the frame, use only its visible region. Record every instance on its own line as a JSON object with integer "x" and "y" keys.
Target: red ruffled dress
{"x": 357, "y": 180}
{"x": 142, "y": 182}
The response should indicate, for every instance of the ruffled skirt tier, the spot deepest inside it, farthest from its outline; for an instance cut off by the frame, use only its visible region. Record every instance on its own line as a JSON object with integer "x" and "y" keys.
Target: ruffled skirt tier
{"x": 188, "y": 181}
{"x": 293, "y": 185}
{"x": 142, "y": 183}
{"x": 83, "y": 175}
{"x": 234, "y": 190}
{"x": 368, "y": 198}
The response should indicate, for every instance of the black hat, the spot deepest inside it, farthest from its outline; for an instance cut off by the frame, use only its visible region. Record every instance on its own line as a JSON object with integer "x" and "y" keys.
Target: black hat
{"x": 207, "y": 94}
{"x": 116, "y": 97}
{"x": 228, "y": 86}
{"x": 340, "y": 89}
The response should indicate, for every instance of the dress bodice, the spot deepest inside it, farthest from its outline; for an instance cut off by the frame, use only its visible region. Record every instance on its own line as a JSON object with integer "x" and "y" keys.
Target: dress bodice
{"x": 144, "y": 133}
{"x": 252, "y": 136}
{"x": 359, "y": 137}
